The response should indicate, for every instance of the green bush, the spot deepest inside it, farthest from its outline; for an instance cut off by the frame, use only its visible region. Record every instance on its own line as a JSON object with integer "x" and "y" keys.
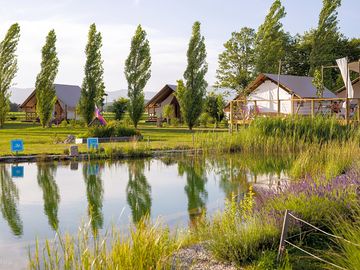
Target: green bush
{"x": 204, "y": 119}
{"x": 113, "y": 129}
{"x": 175, "y": 122}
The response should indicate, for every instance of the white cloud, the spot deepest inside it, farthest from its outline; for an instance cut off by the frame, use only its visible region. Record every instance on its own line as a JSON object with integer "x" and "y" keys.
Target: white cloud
{"x": 168, "y": 53}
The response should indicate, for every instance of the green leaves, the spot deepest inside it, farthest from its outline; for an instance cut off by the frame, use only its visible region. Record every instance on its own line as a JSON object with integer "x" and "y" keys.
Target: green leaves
{"x": 237, "y": 61}
{"x": 270, "y": 40}
{"x": 44, "y": 86}
{"x": 93, "y": 87}
{"x": 191, "y": 93}
{"x": 8, "y": 68}
{"x": 137, "y": 73}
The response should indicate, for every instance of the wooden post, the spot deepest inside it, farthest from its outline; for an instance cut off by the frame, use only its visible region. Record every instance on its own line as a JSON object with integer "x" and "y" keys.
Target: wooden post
{"x": 312, "y": 108}
{"x": 231, "y": 116}
{"x": 292, "y": 104}
{"x": 283, "y": 235}
{"x": 358, "y": 110}
{"x": 278, "y": 88}
{"x": 255, "y": 107}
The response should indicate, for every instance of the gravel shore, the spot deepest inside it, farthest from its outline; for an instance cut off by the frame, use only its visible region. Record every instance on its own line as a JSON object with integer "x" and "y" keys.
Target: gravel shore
{"x": 196, "y": 257}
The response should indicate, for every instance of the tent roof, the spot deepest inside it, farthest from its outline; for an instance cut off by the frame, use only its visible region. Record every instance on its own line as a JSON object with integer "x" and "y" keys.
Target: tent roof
{"x": 355, "y": 66}
{"x": 67, "y": 94}
{"x": 160, "y": 96}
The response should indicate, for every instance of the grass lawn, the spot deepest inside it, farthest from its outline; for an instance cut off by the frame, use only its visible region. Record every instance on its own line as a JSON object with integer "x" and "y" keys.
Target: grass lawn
{"x": 38, "y": 140}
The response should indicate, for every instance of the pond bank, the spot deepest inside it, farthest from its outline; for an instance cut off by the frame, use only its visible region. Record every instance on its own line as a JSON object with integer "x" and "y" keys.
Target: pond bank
{"x": 95, "y": 156}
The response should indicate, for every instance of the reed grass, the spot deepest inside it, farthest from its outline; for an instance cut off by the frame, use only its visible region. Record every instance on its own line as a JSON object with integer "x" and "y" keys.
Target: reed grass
{"x": 145, "y": 246}
{"x": 348, "y": 253}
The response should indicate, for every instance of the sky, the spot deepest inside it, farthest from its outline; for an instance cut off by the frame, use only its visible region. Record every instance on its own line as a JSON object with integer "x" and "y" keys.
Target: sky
{"x": 167, "y": 22}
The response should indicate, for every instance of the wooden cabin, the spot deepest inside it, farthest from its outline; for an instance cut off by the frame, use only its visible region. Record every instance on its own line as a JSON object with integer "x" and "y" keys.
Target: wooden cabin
{"x": 166, "y": 96}
{"x": 67, "y": 98}
{"x": 297, "y": 95}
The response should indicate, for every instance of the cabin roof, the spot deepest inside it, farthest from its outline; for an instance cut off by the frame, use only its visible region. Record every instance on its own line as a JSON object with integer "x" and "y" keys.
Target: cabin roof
{"x": 67, "y": 94}
{"x": 301, "y": 86}
{"x": 344, "y": 87}
{"x": 160, "y": 96}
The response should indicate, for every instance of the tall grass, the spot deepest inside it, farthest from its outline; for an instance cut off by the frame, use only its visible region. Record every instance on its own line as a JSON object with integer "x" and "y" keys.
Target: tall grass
{"x": 348, "y": 253}
{"x": 146, "y": 246}
{"x": 279, "y": 134}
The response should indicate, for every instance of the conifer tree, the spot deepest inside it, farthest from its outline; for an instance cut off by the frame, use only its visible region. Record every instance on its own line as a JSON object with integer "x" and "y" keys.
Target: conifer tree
{"x": 270, "y": 42}
{"x": 191, "y": 92}
{"x": 93, "y": 87}
{"x": 8, "y": 68}
{"x": 137, "y": 73}
{"x": 44, "y": 86}
{"x": 236, "y": 63}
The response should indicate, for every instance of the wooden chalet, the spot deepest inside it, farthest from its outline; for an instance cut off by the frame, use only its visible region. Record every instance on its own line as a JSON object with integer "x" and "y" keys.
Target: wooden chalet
{"x": 67, "y": 98}
{"x": 166, "y": 96}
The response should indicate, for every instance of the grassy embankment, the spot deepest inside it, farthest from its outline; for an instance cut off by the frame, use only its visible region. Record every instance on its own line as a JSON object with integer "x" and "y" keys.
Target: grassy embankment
{"x": 38, "y": 140}
{"x": 247, "y": 233}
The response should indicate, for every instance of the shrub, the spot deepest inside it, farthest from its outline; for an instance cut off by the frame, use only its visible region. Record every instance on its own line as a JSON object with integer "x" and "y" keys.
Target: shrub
{"x": 113, "y": 129}
{"x": 119, "y": 107}
{"x": 204, "y": 119}
{"x": 175, "y": 122}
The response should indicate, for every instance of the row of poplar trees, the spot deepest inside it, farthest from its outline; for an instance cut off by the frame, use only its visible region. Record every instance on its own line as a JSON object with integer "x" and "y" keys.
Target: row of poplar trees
{"x": 249, "y": 52}
{"x": 191, "y": 90}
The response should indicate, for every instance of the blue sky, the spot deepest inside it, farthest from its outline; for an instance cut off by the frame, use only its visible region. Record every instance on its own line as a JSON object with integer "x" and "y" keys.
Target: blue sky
{"x": 168, "y": 23}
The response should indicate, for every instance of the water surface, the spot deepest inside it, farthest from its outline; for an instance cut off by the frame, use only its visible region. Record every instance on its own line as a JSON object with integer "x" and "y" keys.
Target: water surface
{"x": 38, "y": 198}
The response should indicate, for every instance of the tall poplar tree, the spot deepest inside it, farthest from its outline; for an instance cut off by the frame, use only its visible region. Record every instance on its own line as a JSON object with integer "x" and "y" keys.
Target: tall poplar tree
{"x": 93, "y": 87}
{"x": 326, "y": 40}
{"x": 270, "y": 42}
{"x": 137, "y": 73}
{"x": 44, "y": 86}
{"x": 236, "y": 63}
{"x": 191, "y": 92}
{"x": 8, "y": 68}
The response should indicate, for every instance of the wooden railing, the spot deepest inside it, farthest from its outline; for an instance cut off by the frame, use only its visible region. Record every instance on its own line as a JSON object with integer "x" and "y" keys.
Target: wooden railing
{"x": 344, "y": 109}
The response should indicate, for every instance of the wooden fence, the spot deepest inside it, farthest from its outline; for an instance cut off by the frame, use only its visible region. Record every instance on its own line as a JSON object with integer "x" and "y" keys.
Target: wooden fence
{"x": 344, "y": 109}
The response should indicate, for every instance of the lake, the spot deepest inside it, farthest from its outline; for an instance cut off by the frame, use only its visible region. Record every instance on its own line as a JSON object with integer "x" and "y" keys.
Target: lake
{"x": 37, "y": 198}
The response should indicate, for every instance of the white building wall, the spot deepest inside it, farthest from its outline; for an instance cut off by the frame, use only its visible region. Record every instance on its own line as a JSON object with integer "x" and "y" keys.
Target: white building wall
{"x": 159, "y": 110}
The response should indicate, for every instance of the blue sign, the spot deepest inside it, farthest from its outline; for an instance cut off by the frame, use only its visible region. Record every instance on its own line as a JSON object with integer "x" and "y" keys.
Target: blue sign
{"x": 93, "y": 143}
{"x": 17, "y": 145}
{"x": 17, "y": 171}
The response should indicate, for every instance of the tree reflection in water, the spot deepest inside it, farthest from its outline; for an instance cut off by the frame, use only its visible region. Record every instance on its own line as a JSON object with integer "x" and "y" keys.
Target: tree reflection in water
{"x": 138, "y": 190}
{"x": 94, "y": 194}
{"x": 9, "y": 198}
{"x": 46, "y": 180}
{"x": 195, "y": 170}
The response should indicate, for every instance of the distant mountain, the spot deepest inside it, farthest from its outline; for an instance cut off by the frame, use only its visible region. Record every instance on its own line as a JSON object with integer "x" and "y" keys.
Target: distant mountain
{"x": 113, "y": 95}
{"x": 18, "y": 95}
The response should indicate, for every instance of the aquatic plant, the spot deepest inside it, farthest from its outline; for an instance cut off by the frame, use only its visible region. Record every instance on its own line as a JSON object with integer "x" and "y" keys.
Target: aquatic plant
{"x": 146, "y": 246}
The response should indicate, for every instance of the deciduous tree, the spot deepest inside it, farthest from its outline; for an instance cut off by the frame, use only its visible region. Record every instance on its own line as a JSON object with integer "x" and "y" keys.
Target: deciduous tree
{"x": 271, "y": 40}
{"x": 93, "y": 87}
{"x": 8, "y": 68}
{"x": 137, "y": 73}
{"x": 191, "y": 92}
{"x": 119, "y": 107}
{"x": 44, "y": 86}
{"x": 236, "y": 63}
